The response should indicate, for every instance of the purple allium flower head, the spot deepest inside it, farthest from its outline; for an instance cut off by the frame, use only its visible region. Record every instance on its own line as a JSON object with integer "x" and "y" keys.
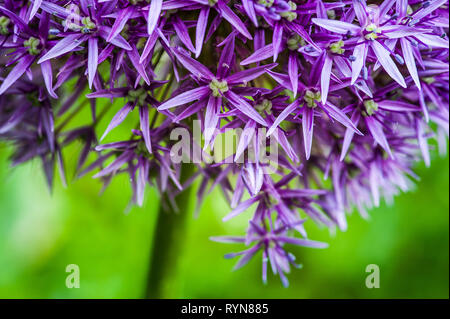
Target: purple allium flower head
{"x": 351, "y": 92}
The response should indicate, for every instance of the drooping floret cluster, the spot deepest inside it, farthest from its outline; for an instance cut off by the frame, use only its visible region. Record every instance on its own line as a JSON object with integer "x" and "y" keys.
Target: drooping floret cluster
{"x": 351, "y": 90}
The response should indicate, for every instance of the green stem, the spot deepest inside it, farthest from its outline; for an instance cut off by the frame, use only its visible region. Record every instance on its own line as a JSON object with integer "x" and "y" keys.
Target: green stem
{"x": 168, "y": 239}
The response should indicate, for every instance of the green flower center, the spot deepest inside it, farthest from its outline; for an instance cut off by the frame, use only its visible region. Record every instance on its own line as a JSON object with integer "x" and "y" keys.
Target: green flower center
{"x": 218, "y": 87}
{"x": 32, "y": 44}
{"x": 336, "y": 47}
{"x": 373, "y": 32}
{"x": 266, "y": 106}
{"x": 331, "y": 14}
{"x": 295, "y": 42}
{"x": 88, "y": 25}
{"x": 311, "y": 98}
{"x": 212, "y": 3}
{"x": 4, "y": 23}
{"x": 141, "y": 150}
{"x": 135, "y": 2}
{"x": 137, "y": 96}
{"x": 141, "y": 43}
{"x": 371, "y": 107}
{"x": 429, "y": 80}
{"x": 290, "y": 15}
{"x": 266, "y": 3}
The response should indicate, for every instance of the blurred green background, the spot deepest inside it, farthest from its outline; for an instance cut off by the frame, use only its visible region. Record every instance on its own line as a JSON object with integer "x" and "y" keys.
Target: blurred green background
{"x": 40, "y": 234}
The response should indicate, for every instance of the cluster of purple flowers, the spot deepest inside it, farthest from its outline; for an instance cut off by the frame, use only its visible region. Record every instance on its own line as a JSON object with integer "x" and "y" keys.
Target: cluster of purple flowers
{"x": 352, "y": 91}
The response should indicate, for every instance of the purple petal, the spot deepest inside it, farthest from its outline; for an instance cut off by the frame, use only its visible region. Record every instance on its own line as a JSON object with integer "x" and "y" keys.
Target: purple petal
{"x": 410, "y": 61}
{"x": 325, "y": 78}
{"x": 17, "y": 72}
{"x": 376, "y": 130}
{"x": 398, "y": 106}
{"x": 145, "y": 126}
{"x": 118, "y": 118}
{"x": 211, "y": 118}
{"x": 119, "y": 23}
{"x": 288, "y": 110}
{"x": 118, "y": 40}
{"x": 200, "y": 31}
{"x": 183, "y": 34}
{"x": 133, "y": 54}
{"x": 47, "y": 74}
{"x": 293, "y": 72}
{"x": 349, "y": 134}
{"x": 67, "y": 44}
{"x": 233, "y": 19}
{"x": 250, "y": 74}
{"x": 185, "y": 98}
{"x": 116, "y": 164}
{"x": 259, "y": 55}
{"x": 241, "y": 208}
{"x": 244, "y": 107}
{"x": 92, "y": 59}
{"x": 34, "y": 8}
{"x": 308, "y": 126}
{"x": 153, "y": 15}
{"x": 385, "y": 60}
{"x": 359, "y": 52}
{"x": 302, "y": 242}
{"x": 339, "y": 116}
{"x": 193, "y": 66}
{"x": 276, "y": 39}
{"x": 337, "y": 26}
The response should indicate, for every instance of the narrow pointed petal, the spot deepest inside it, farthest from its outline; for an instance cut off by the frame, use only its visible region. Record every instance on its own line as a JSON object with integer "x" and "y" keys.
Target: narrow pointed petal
{"x": 67, "y": 44}
{"x": 186, "y": 97}
{"x": 259, "y": 55}
{"x": 92, "y": 59}
{"x": 183, "y": 34}
{"x": 35, "y": 8}
{"x": 193, "y": 66}
{"x": 118, "y": 118}
{"x": 423, "y": 142}
{"x": 120, "y": 23}
{"x": 410, "y": 61}
{"x": 339, "y": 116}
{"x": 211, "y": 118}
{"x": 17, "y": 72}
{"x": 116, "y": 164}
{"x": 47, "y": 74}
{"x": 244, "y": 107}
{"x": 276, "y": 40}
{"x": 349, "y": 134}
{"x": 240, "y": 208}
{"x": 325, "y": 78}
{"x": 288, "y": 110}
{"x": 153, "y": 15}
{"x": 250, "y": 10}
{"x": 308, "y": 126}
{"x": 433, "y": 41}
{"x": 358, "y": 6}
{"x": 233, "y": 19}
{"x": 293, "y": 72}
{"x": 376, "y": 130}
{"x": 201, "y": 29}
{"x": 133, "y": 54}
{"x": 388, "y": 64}
{"x": 337, "y": 26}
{"x": 226, "y": 58}
{"x": 250, "y": 74}
{"x": 359, "y": 53}
{"x": 145, "y": 126}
